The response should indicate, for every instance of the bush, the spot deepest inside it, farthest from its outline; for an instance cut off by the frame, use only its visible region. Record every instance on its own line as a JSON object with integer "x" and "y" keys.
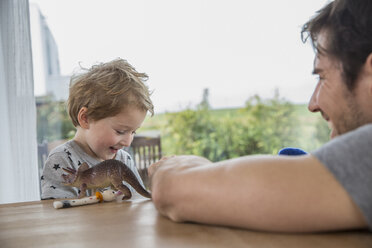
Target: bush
{"x": 271, "y": 124}
{"x": 260, "y": 127}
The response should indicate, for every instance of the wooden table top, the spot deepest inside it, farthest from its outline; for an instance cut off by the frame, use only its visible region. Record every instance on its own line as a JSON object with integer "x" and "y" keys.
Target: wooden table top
{"x": 136, "y": 223}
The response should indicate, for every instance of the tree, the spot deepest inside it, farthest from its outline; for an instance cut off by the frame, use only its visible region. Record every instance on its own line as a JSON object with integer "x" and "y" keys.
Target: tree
{"x": 205, "y": 100}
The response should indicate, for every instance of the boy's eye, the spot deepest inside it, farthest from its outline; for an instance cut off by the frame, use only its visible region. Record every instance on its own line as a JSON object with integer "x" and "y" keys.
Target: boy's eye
{"x": 124, "y": 132}
{"x": 120, "y": 132}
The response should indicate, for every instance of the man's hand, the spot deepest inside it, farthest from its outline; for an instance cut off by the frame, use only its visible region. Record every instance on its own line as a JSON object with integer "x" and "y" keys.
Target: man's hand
{"x": 153, "y": 167}
{"x": 177, "y": 162}
{"x": 171, "y": 164}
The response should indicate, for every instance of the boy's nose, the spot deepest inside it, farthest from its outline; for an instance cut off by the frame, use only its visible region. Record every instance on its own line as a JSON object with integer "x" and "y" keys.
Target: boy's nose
{"x": 126, "y": 140}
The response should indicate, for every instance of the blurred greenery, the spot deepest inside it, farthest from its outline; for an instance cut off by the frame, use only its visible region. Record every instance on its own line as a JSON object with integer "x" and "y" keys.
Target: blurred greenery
{"x": 53, "y": 122}
{"x": 262, "y": 126}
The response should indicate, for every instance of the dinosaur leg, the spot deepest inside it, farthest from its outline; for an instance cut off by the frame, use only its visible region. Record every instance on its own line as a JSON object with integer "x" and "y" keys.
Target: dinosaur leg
{"x": 124, "y": 189}
{"x": 83, "y": 190}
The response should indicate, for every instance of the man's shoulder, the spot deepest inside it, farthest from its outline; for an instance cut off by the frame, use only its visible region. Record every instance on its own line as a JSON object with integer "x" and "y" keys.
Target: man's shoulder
{"x": 361, "y": 133}
{"x": 358, "y": 137}
{"x": 365, "y": 128}
{"x": 348, "y": 158}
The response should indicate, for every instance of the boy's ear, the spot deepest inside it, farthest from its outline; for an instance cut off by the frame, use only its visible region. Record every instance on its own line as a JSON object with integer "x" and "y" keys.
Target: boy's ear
{"x": 83, "y": 118}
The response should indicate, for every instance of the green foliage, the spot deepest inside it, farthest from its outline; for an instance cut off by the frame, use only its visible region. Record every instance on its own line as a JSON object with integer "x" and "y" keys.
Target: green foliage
{"x": 322, "y": 133}
{"x": 260, "y": 127}
{"x": 53, "y": 122}
{"x": 263, "y": 126}
{"x": 271, "y": 124}
{"x": 192, "y": 132}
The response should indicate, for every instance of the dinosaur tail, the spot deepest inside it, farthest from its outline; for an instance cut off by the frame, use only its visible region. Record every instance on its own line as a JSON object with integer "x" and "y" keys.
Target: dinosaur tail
{"x": 130, "y": 177}
{"x": 138, "y": 186}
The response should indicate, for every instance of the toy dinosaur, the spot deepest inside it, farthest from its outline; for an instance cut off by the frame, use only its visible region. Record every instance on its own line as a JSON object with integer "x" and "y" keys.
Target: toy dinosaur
{"x": 110, "y": 172}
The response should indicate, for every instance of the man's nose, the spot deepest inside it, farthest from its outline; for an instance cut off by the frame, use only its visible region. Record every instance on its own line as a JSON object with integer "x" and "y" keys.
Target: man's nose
{"x": 313, "y": 103}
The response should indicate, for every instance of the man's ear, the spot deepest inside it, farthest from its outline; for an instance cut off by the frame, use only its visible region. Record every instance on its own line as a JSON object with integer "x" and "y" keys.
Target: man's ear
{"x": 369, "y": 63}
{"x": 83, "y": 118}
{"x": 368, "y": 68}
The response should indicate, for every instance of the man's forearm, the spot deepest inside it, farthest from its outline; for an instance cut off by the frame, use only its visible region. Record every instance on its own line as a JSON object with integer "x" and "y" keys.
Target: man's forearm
{"x": 256, "y": 192}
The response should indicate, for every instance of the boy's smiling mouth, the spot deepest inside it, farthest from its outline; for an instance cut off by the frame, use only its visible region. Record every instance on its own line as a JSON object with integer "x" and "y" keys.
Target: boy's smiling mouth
{"x": 113, "y": 149}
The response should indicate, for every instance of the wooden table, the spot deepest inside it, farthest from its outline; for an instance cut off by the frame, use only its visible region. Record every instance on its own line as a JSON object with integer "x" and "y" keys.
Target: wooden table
{"x": 136, "y": 223}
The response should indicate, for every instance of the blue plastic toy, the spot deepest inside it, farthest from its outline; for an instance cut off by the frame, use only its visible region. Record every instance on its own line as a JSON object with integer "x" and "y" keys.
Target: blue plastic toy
{"x": 290, "y": 151}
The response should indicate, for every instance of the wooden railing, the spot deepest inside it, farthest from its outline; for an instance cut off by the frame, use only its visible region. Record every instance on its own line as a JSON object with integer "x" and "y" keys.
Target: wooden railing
{"x": 145, "y": 151}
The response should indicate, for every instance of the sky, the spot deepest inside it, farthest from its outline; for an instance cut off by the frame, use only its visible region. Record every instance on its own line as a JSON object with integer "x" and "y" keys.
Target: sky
{"x": 235, "y": 48}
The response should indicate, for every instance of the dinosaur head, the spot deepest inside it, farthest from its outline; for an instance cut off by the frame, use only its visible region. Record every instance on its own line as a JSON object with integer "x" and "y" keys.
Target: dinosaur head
{"x": 67, "y": 179}
{"x": 70, "y": 178}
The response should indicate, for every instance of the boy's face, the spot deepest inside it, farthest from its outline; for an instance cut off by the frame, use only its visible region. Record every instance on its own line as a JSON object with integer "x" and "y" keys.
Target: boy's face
{"x": 106, "y": 136}
{"x": 343, "y": 109}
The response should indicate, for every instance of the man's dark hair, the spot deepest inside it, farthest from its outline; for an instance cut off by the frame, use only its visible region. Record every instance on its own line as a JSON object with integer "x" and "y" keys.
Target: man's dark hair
{"x": 348, "y": 28}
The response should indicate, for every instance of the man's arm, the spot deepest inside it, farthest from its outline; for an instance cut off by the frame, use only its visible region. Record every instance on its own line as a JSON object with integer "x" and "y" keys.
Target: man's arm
{"x": 272, "y": 193}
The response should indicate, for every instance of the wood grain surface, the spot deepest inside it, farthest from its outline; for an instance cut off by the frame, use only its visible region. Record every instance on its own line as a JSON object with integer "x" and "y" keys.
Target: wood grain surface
{"x": 136, "y": 223}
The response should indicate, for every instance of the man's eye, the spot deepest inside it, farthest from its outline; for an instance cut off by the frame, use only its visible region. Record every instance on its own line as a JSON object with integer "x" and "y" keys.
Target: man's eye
{"x": 319, "y": 78}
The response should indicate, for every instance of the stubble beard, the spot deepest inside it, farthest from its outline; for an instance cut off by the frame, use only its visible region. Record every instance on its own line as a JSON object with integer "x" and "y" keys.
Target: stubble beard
{"x": 351, "y": 119}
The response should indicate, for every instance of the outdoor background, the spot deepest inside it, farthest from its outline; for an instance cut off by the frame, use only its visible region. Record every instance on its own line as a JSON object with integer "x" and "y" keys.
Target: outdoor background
{"x": 262, "y": 126}
{"x": 229, "y": 78}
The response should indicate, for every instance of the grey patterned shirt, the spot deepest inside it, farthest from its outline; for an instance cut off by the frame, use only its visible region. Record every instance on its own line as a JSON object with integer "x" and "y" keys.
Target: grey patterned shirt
{"x": 71, "y": 155}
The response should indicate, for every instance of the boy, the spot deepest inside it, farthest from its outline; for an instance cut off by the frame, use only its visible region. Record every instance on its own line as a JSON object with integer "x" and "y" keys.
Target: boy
{"x": 107, "y": 104}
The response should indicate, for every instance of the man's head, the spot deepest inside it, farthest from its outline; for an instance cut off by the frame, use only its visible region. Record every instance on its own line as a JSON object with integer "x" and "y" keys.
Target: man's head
{"x": 347, "y": 25}
{"x": 341, "y": 34}
{"x": 107, "y": 88}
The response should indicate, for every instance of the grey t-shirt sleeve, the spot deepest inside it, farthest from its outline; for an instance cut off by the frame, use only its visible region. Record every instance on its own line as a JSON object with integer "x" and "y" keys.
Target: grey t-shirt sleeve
{"x": 52, "y": 182}
{"x": 349, "y": 158}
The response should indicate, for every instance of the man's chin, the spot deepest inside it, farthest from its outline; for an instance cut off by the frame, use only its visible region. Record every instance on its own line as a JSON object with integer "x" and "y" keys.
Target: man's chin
{"x": 333, "y": 133}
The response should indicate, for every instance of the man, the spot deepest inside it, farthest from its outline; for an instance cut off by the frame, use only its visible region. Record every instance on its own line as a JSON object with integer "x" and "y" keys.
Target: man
{"x": 329, "y": 189}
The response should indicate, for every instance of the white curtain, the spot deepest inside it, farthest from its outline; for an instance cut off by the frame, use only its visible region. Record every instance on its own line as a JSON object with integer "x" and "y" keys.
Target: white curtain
{"x": 19, "y": 176}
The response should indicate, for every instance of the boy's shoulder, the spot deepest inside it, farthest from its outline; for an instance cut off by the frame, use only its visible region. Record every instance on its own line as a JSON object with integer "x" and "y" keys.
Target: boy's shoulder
{"x": 69, "y": 145}
{"x": 71, "y": 151}
{"x": 124, "y": 156}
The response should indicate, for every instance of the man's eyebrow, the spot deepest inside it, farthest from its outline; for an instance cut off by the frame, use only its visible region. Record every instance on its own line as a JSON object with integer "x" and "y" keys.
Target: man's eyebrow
{"x": 316, "y": 71}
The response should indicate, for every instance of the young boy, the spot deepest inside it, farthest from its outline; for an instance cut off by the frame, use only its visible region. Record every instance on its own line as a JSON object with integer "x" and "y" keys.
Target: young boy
{"x": 107, "y": 104}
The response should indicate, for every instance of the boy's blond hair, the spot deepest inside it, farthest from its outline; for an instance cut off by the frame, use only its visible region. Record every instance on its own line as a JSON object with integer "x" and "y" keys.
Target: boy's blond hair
{"x": 105, "y": 89}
